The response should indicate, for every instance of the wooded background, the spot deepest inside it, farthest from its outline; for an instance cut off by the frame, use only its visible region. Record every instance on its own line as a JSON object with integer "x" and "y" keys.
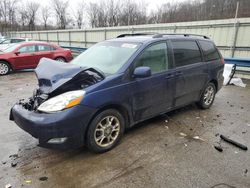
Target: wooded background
{"x": 17, "y": 15}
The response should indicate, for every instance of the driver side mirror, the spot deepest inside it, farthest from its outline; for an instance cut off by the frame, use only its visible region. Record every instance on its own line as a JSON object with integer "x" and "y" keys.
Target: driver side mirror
{"x": 142, "y": 72}
{"x": 17, "y": 53}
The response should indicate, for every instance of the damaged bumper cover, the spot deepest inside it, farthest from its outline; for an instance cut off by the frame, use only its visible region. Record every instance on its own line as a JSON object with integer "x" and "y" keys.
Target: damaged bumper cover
{"x": 70, "y": 123}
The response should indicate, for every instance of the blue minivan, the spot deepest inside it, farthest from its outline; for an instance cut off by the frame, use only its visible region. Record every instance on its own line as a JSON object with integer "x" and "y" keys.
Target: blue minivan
{"x": 115, "y": 84}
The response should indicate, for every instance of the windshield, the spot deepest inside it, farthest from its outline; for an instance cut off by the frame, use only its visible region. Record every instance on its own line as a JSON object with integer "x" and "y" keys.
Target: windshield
{"x": 11, "y": 48}
{"x": 107, "y": 57}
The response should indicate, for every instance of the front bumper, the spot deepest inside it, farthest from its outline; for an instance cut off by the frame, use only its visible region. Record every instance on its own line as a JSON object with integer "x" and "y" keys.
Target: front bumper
{"x": 71, "y": 123}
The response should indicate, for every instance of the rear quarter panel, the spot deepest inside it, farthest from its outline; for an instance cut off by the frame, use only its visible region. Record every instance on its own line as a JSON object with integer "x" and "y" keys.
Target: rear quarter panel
{"x": 65, "y": 53}
{"x": 215, "y": 69}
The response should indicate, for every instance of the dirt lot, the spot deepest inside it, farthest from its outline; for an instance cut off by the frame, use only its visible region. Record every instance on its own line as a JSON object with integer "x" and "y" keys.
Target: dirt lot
{"x": 153, "y": 154}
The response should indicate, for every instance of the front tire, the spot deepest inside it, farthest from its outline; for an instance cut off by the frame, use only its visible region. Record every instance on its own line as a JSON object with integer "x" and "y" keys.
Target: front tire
{"x": 4, "y": 68}
{"x": 105, "y": 131}
{"x": 207, "y": 97}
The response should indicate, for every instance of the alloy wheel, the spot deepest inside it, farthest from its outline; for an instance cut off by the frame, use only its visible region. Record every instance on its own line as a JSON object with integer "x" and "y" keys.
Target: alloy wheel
{"x": 107, "y": 131}
{"x": 4, "y": 69}
{"x": 209, "y": 95}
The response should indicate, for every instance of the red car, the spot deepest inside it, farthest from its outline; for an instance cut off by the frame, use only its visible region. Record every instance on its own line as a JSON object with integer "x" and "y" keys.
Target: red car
{"x": 28, "y": 54}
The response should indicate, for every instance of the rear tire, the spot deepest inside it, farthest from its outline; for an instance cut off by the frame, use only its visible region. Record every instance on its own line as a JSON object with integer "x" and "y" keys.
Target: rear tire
{"x": 105, "y": 131}
{"x": 4, "y": 68}
{"x": 60, "y": 59}
{"x": 207, "y": 97}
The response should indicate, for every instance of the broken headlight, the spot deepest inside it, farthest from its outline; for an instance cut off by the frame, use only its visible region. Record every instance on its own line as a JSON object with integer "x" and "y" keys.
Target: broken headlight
{"x": 63, "y": 101}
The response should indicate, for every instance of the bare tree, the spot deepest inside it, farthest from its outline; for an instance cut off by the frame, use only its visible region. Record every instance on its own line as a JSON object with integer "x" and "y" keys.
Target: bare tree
{"x": 46, "y": 13}
{"x": 24, "y": 17}
{"x": 60, "y": 8}
{"x": 32, "y": 8}
{"x": 92, "y": 11}
{"x": 8, "y": 13}
{"x": 79, "y": 13}
{"x": 113, "y": 12}
{"x": 133, "y": 13}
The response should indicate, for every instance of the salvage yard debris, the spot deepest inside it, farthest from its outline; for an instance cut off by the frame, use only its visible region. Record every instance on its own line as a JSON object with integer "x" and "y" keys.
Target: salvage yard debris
{"x": 246, "y": 171}
{"x": 237, "y": 144}
{"x": 13, "y": 164}
{"x": 228, "y": 74}
{"x": 8, "y": 186}
{"x": 198, "y": 138}
{"x": 27, "y": 181}
{"x": 183, "y": 134}
{"x": 237, "y": 82}
{"x": 219, "y": 148}
{"x": 44, "y": 178}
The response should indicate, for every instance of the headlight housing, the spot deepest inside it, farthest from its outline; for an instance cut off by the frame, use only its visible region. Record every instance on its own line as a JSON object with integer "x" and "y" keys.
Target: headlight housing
{"x": 63, "y": 101}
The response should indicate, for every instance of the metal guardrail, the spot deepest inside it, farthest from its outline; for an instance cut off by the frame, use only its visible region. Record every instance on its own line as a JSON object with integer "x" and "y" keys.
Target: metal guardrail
{"x": 75, "y": 49}
{"x": 238, "y": 61}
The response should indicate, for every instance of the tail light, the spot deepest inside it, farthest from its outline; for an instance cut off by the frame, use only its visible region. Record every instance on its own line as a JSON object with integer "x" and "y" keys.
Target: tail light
{"x": 222, "y": 61}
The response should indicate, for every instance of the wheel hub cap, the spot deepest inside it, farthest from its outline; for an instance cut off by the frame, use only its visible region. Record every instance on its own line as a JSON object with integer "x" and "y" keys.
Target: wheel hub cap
{"x": 209, "y": 95}
{"x": 3, "y": 68}
{"x": 107, "y": 131}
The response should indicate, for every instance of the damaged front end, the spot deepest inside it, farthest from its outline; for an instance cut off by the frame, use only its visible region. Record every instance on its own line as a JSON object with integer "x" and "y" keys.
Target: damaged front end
{"x": 56, "y": 78}
{"x": 46, "y": 115}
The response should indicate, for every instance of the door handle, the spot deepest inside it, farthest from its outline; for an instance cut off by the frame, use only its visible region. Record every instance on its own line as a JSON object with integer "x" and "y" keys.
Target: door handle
{"x": 170, "y": 76}
{"x": 32, "y": 54}
{"x": 179, "y": 73}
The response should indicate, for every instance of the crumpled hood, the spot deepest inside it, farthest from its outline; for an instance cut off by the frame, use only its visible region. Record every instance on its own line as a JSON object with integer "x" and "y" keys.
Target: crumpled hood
{"x": 53, "y": 74}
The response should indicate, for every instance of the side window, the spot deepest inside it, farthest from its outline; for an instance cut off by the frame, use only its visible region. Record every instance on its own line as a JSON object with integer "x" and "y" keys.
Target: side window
{"x": 44, "y": 48}
{"x": 154, "y": 57}
{"x": 186, "y": 52}
{"x": 27, "y": 49}
{"x": 209, "y": 51}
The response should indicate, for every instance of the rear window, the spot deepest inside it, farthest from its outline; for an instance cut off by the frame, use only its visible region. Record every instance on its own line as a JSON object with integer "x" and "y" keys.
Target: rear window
{"x": 186, "y": 52}
{"x": 209, "y": 51}
{"x": 43, "y": 48}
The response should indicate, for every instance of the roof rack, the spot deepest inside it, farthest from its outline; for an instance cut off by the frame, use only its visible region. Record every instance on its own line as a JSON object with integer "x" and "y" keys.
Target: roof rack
{"x": 185, "y": 35}
{"x": 160, "y": 35}
{"x": 134, "y": 34}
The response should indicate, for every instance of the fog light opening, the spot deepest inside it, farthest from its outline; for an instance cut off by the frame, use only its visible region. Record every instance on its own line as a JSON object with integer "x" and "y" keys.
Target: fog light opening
{"x": 57, "y": 140}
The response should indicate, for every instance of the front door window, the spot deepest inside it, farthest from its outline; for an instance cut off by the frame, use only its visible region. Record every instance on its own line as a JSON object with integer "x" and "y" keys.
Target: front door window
{"x": 154, "y": 57}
